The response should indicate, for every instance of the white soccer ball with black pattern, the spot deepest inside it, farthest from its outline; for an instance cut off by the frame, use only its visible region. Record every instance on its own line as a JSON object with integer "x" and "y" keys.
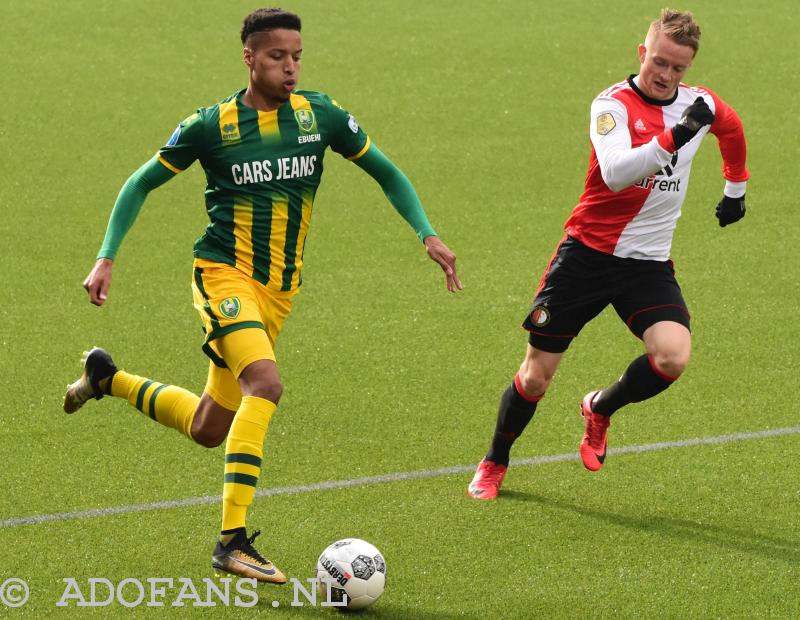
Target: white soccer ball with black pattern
{"x": 354, "y": 570}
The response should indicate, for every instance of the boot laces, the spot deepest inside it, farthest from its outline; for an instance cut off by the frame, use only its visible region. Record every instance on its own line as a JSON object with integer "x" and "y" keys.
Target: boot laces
{"x": 247, "y": 547}
{"x": 598, "y": 424}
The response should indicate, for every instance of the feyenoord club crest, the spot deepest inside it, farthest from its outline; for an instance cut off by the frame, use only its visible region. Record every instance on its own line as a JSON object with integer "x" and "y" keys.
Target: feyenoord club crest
{"x": 540, "y": 316}
{"x": 230, "y": 307}
{"x": 305, "y": 120}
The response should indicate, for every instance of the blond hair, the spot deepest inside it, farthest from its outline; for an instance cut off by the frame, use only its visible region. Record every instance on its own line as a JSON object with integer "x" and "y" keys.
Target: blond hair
{"x": 678, "y": 26}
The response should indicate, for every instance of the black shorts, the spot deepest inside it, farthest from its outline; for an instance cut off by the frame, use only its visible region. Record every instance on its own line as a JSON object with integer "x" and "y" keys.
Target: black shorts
{"x": 580, "y": 282}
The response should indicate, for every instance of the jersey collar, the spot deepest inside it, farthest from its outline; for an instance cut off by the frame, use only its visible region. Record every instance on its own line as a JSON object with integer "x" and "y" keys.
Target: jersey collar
{"x": 650, "y": 100}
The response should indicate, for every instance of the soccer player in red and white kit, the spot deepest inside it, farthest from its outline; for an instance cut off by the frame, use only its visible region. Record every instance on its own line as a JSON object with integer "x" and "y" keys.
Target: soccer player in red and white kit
{"x": 644, "y": 132}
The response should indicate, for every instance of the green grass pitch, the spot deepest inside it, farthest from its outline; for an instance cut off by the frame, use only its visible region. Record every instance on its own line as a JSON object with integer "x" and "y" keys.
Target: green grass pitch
{"x": 485, "y": 106}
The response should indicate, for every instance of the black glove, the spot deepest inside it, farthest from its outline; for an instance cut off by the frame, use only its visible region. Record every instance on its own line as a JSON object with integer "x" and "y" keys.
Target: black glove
{"x": 730, "y": 210}
{"x": 694, "y": 117}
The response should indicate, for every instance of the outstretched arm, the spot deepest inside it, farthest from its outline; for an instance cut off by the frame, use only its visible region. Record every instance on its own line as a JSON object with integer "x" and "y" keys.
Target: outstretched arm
{"x": 129, "y": 202}
{"x": 404, "y": 199}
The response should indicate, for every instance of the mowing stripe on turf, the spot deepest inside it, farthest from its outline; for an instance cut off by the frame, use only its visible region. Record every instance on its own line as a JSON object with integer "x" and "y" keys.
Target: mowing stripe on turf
{"x": 395, "y": 477}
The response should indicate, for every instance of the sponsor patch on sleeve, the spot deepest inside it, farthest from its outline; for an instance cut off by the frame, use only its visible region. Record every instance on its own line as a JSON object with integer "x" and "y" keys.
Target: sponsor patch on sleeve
{"x": 173, "y": 139}
{"x": 352, "y": 124}
{"x": 605, "y": 123}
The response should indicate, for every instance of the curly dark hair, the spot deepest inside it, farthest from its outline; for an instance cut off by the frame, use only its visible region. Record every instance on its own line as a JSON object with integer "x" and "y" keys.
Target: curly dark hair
{"x": 262, "y": 20}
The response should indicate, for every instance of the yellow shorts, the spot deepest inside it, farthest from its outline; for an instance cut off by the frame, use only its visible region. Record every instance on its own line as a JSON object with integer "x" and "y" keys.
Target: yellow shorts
{"x": 241, "y": 319}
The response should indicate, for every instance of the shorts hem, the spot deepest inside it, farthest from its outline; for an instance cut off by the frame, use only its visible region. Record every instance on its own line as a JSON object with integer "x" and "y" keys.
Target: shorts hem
{"x": 221, "y": 400}
{"x": 549, "y": 343}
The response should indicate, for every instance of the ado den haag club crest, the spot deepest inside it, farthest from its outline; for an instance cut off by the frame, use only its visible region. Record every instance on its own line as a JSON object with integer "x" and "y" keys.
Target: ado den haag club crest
{"x": 230, "y": 307}
{"x": 305, "y": 120}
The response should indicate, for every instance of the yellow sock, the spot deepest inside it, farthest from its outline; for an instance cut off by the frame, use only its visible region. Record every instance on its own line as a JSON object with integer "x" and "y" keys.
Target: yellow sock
{"x": 243, "y": 452}
{"x": 168, "y": 404}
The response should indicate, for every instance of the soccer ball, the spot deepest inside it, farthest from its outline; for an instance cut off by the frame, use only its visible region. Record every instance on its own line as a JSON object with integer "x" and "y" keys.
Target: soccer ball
{"x": 354, "y": 570}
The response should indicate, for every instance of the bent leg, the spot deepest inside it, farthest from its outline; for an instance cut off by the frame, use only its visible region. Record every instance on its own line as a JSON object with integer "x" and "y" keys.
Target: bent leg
{"x": 169, "y": 405}
{"x": 668, "y": 345}
{"x": 221, "y": 398}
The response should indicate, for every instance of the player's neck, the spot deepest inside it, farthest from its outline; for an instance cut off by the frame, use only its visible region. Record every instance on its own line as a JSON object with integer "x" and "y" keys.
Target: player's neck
{"x": 258, "y": 101}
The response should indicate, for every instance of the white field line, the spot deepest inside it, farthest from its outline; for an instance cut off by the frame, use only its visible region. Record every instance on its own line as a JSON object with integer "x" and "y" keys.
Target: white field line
{"x": 395, "y": 477}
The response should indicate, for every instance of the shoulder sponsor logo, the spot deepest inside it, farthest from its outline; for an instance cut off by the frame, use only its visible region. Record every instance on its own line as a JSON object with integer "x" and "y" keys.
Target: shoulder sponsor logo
{"x": 605, "y": 123}
{"x": 352, "y": 124}
{"x": 173, "y": 139}
{"x": 230, "y": 307}
{"x": 305, "y": 120}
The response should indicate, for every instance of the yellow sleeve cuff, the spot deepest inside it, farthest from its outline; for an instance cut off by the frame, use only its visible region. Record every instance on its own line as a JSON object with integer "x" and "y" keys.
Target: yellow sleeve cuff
{"x": 362, "y": 151}
{"x": 168, "y": 165}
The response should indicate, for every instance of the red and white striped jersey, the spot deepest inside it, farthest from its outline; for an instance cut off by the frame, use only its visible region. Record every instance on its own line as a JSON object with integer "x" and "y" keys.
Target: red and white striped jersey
{"x": 637, "y": 181}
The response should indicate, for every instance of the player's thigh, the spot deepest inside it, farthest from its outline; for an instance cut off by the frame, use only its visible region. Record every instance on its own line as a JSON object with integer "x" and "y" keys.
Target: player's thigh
{"x": 651, "y": 295}
{"x": 573, "y": 290}
{"x": 242, "y": 347}
{"x": 249, "y": 355}
{"x": 222, "y": 387}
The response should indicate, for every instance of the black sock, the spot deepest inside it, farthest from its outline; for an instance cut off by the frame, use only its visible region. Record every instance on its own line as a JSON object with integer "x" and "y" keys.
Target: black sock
{"x": 513, "y": 415}
{"x": 639, "y": 382}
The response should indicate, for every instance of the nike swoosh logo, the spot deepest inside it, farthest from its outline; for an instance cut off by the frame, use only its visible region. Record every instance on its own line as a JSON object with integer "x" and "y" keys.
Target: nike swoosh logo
{"x": 260, "y": 569}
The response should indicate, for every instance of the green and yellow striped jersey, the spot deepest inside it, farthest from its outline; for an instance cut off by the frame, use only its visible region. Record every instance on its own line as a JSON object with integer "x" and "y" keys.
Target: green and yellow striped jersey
{"x": 262, "y": 172}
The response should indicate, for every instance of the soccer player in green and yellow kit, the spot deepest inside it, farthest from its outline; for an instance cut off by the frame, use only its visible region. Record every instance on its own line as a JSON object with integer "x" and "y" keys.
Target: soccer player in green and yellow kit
{"x": 262, "y": 150}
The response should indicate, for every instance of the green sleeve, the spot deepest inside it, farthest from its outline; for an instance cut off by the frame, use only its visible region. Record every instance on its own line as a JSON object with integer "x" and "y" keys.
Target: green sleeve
{"x": 186, "y": 143}
{"x": 398, "y": 189}
{"x": 344, "y": 134}
{"x": 129, "y": 203}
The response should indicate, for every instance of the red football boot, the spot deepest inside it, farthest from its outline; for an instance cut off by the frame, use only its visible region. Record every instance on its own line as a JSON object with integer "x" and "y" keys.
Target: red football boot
{"x": 487, "y": 481}
{"x": 593, "y": 444}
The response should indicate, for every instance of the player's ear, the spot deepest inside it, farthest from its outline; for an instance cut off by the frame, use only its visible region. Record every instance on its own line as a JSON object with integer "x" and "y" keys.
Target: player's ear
{"x": 247, "y": 54}
{"x": 642, "y": 52}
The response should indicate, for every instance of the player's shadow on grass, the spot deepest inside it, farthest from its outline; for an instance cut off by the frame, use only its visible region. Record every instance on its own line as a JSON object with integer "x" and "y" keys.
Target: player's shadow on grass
{"x": 771, "y": 547}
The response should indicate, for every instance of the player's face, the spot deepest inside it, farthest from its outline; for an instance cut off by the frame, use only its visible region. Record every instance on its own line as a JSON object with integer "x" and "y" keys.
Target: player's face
{"x": 273, "y": 58}
{"x": 663, "y": 65}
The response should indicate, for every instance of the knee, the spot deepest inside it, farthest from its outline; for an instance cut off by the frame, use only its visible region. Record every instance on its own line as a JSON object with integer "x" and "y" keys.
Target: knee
{"x": 534, "y": 378}
{"x": 207, "y": 435}
{"x": 671, "y": 362}
{"x": 261, "y": 379}
{"x": 268, "y": 388}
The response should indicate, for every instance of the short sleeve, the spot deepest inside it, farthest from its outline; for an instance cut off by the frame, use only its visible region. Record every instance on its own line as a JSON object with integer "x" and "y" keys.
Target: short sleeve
{"x": 184, "y": 145}
{"x": 345, "y": 137}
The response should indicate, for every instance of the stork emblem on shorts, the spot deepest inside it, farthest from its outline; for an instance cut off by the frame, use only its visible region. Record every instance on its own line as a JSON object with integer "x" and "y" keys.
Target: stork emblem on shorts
{"x": 230, "y": 307}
